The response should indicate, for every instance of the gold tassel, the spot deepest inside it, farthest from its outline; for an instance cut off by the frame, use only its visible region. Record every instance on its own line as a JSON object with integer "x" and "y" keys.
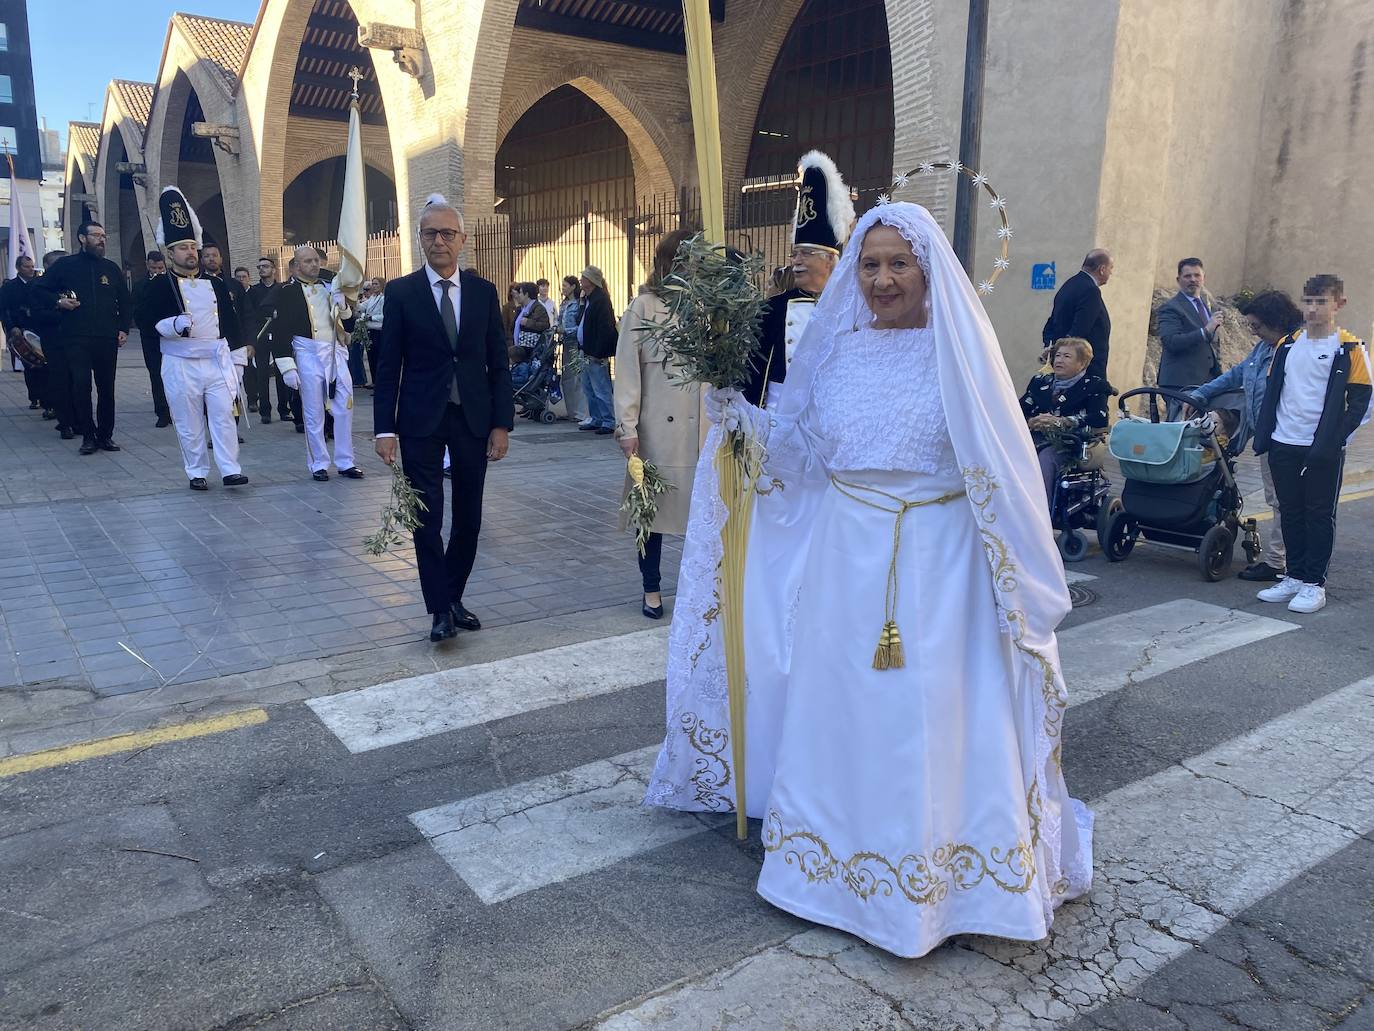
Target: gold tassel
{"x": 235, "y": 409}
{"x": 889, "y": 653}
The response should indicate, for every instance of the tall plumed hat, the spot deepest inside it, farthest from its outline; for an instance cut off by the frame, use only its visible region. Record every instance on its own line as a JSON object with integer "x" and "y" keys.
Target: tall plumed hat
{"x": 176, "y": 220}
{"x": 825, "y": 214}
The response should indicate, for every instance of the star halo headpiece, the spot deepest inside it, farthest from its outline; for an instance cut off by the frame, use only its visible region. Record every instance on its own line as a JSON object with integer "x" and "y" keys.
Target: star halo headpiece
{"x": 996, "y": 201}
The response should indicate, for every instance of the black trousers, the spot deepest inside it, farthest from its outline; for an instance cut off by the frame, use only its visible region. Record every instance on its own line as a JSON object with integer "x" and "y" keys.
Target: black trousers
{"x": 92, "y": 359}
{"x": 374, "y": 337}
{"x": 36, "y": 382}
{"x": 444, "y": 571}
{"x": 1307, "y": 489}
{"x": 59, "y": 388}
{"x": 152, "y": 361}
{"x": 650, "y": 563}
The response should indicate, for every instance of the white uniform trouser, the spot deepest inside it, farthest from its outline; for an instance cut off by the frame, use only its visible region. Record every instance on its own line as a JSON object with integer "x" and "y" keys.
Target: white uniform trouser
{"x": 313, "y": 362}
{"x": 197, "y": 388}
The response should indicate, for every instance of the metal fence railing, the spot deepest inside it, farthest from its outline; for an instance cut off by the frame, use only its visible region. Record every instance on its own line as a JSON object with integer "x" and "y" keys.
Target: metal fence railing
{"x": 383, "y": 255}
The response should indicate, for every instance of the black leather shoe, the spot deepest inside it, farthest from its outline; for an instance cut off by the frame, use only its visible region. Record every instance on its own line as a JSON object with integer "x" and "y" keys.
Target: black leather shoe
{"x": 320, "y": 475}
{"x": 107, "y": 445}
{"x": 1260, "y": 572}
{"x": 604, "y": 431}
{"x": 463, "y": 619}
{"x": 87, "y": 445}
{"x": 300, "y": 427}
{"x": 200, "y": 483}
{"x": 34, "y": 406}
{"x": 352, "y": 473}
{"x": 443, "y": 626}
{"x": 586, "y": 429}
{"x": 163, "y": 421}
{"x": 66, "y": 433}
{"x": 267, "y": 421}
{"x": 252, "y": 406}
{"x": 236, "y": 480}
{"x": 652, "y": 611}
{"x": 49, "y": 415}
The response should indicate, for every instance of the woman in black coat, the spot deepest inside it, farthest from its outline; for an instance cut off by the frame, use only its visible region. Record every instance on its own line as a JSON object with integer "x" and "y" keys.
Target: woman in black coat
{"x": 1070, "y": 399}
{"x": 597, "y": 334}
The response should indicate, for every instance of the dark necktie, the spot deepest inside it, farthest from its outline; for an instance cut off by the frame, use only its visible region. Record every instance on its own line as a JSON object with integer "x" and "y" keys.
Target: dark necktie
{"x": 448, "y": 316}
{"x": 1202, "y": 312}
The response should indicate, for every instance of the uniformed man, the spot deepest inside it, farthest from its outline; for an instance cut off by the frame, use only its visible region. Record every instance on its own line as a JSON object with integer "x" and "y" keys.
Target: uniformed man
{"x": 310, "y": 319}
{"x": 96, "y": 315}
{"x": 198, "y": 328}
{"x": 825, "y": 215}
{"x": 17, "y": 308}
{"x": 148, "y": 337}
{"x": 258, "y": 304}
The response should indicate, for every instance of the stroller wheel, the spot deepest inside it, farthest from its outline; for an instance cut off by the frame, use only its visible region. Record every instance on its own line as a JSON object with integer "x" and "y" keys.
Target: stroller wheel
{"x": 1217, "y": 550}
{"x": 1073, "y": 546}
{"x": 1119, "y": 536}
{"x": 547, "y": 417}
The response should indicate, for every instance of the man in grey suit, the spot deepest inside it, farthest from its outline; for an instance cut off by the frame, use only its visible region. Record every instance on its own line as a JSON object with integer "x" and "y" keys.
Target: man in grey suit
{"x": 1187, "y": 335}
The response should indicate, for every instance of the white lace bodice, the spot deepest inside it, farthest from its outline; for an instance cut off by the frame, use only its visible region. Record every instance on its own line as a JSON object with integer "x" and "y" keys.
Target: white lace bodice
{"x": 878, "y": 406}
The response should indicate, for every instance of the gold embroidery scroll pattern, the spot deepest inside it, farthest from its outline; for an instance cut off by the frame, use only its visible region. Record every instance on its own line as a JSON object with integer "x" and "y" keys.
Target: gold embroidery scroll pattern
{"x": 982, "y": 487}
{"x": 710, "y": 769}
{"x": 919, "y": 879}
{"x": 707, "y": 618}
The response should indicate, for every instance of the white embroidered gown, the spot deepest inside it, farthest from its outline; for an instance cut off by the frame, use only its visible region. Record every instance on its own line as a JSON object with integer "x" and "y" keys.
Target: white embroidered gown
{"x": 905, "y": 804}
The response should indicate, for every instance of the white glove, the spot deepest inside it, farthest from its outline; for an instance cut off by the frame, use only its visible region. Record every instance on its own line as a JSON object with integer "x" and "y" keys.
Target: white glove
{"x": 291, "y": 378}
{"x": 727, "y": 406}
{"x": 183, "y": 323}
{"x": 239, "y": 356}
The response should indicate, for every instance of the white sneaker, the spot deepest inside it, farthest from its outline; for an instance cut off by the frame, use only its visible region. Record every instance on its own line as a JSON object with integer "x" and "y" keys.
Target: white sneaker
{"x": 1310, "y": 598}
{"x": 1285, "y": 590}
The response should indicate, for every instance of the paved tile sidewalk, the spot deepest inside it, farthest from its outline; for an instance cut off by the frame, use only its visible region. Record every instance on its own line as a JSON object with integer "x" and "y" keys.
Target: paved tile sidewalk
{"x": 111, "y": 551}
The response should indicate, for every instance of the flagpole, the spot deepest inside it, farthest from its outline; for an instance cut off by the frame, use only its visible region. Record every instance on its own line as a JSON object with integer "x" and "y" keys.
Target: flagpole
{"x": 735, "y": 484}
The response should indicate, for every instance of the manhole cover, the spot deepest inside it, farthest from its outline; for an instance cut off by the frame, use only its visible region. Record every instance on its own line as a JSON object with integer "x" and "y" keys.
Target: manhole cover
{"x": 1081, "y": 596}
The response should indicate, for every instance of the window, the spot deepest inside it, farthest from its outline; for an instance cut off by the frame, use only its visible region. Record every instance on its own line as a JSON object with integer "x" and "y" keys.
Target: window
{"x": 8, "y": 140}
{"x": 6, "y": 90}
{"x": 4, "y": 37}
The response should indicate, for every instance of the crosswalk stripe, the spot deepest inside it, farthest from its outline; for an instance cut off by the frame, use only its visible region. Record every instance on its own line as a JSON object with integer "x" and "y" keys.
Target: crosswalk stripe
{"x": 513, "y": 840}
{"x": 521, "y": 838}
{"x": 414, "y": 708}
{"x": 1179, "y": 855}
{"x": 1109, "y": 654}
{"x": 1073, "y": 576}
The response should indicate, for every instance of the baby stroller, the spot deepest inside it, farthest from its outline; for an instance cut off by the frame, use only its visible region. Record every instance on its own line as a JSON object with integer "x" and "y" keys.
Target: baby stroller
{"x": 1082, "y": 496}
{"x": 536, "y": 382}
{"x": 1180, "y": 487}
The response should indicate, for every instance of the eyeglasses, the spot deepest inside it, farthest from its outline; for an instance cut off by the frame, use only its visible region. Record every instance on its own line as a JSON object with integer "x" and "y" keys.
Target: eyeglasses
{"x": 430, "y": 235}
{"x": 806, "y": 252}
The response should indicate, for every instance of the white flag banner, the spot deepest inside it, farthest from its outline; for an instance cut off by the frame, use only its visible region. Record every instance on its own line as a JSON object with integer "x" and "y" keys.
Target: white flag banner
{"x": 353, "y": 217}
{"x": 20, "y": 244}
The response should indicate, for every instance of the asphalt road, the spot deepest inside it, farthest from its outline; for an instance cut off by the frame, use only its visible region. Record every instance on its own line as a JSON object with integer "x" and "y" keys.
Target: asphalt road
{"x": 490, "y": 867}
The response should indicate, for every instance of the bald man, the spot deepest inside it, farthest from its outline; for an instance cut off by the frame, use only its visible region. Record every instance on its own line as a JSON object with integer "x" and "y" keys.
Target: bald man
{"x": 310, "y": 319}
{"x": 1079, "y": 310}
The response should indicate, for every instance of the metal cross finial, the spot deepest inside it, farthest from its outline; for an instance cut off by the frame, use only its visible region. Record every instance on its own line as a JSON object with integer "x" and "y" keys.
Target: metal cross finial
{"x": 355, "y": 73}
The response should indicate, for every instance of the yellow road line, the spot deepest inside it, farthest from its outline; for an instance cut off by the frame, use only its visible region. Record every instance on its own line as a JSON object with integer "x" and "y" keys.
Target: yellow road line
{"x": 131, "y": 742}
{"x": 1268, "y": 513}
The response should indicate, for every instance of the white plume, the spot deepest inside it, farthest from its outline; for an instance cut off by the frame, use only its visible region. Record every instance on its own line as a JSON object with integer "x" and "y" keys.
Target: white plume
{"x": 839, "y": 208}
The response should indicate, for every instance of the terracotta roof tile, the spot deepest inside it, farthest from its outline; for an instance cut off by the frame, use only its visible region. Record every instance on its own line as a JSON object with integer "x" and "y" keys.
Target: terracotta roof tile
{"x": 84, "y": 137}
{"x": 137, "y": 98}
{"x": 222, "y": 43}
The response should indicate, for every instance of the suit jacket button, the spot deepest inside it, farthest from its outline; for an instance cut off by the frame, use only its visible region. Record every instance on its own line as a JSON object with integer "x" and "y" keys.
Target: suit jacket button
{"x": 670, "y": 418}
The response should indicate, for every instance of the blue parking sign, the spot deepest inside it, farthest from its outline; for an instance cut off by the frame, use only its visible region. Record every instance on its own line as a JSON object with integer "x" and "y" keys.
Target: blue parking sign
{"x": 1042, "y": 276}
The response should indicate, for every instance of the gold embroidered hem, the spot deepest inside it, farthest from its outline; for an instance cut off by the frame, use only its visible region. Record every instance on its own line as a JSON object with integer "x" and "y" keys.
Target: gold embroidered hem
{"x": 921, "y": 880}
{"x": 710, "y": 768}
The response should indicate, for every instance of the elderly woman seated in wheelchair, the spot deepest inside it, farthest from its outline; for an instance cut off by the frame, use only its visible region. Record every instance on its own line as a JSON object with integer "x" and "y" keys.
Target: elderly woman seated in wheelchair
{"x": 1066, "y": 412}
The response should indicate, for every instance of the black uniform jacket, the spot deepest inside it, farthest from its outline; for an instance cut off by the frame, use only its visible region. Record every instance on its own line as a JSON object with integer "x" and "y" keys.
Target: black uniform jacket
{"x": 99, "y": 285}
{"x": 416, "y": 368}
{"x": 771, "y": 361}
{"x": 291, "y": 315}
{"x": 162, "y": 300}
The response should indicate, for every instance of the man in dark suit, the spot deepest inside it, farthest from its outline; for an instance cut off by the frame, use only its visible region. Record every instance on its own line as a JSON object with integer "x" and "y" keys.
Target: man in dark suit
{"x": 1079, "y": 310}
{"x": 97, "y": 314}
{"x": 148, "y": 337}
{"x": 258, "y": 304}
{"x": 1187, "y": 335}
{"x": 443, "y": 381}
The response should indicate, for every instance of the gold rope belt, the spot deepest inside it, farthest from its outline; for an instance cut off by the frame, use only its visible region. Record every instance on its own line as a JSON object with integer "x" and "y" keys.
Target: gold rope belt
{"x": 889, "y": 654}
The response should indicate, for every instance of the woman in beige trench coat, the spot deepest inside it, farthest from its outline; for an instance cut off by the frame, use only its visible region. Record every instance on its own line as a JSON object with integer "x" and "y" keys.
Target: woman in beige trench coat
{"x": 658, "y": 417}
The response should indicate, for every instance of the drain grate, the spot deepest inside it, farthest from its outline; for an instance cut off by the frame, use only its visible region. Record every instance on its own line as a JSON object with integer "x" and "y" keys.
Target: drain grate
{"x": 1081, "y": 596}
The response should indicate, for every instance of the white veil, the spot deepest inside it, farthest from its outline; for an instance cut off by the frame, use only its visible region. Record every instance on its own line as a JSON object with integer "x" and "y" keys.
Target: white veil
{"x": 1002, "y": 476}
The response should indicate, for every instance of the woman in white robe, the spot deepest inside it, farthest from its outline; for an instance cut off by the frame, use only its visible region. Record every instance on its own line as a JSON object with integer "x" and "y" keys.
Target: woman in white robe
{"x": 905, "y": 697}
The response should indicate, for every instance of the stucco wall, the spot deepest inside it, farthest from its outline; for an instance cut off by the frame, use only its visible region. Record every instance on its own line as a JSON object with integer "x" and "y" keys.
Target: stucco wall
{"x": 1314, "y": 203}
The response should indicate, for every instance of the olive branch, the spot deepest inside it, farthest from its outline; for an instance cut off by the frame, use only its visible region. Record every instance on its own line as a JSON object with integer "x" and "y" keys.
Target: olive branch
{"x": 640, "y": 506}
{"x": 400, "y": 515}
